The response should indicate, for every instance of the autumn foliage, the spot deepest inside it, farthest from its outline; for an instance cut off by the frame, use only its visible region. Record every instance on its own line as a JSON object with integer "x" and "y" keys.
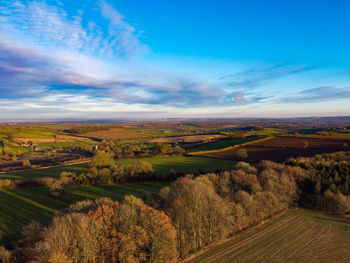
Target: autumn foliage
{"x": 109, "y": 232}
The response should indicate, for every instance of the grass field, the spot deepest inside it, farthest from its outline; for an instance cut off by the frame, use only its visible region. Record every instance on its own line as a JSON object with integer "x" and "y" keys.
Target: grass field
{"x": 20, "y": 206}
{"x": 184, "y": 164}
{"x": 28, "y": 132}
{"x": 296, "y": 236}
{"x": 265, "y": 131}
{"x": 161, "y": 165}
{"x": 117, "y": 134}
{"x": 187, "y": 138}
{"x": 47, "y": 172}
{"x": 221, "y": 144}
{"x": 347, "y": 134}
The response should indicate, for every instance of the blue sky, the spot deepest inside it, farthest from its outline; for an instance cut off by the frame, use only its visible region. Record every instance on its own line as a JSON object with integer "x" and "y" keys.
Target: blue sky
{"x": 157, "y": 58}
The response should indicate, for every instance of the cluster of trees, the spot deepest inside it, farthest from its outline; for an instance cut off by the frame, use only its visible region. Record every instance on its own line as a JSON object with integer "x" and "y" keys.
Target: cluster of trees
{"x": 101, "y": 231}
{"x": 86, "y": 150}
{"x": 168, "y": 149}
{"x": 113, "y": 174}
{"x": 209, "y": 207}
{"x": 130, "y": 151}
{"x": 103, "y": 170}
{"x": 327, "y": 186}
{"x": 327, "y": 172}
{"x": 9, "y": 153}
{"x": 235, "y": 135}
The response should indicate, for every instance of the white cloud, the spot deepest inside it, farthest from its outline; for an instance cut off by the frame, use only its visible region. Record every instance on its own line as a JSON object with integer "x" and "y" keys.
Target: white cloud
{"x": 51, "y": 27}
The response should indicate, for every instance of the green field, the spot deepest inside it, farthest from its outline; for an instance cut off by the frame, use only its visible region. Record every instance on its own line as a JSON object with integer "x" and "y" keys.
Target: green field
{"x": 265, "y": 131}
{"x": 223, "y": 143}
{"x": 185, "y": 164}
{"x": 341, "y": 134}
{"x": 296, "y": 236}
{"x": 28, "y": 132}
{"x": 47, "y": 172}
{"x": 161, "y": 165}
{"x": 20, "y": 206}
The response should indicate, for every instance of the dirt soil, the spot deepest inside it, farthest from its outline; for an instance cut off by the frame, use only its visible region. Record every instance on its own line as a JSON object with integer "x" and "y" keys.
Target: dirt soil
{"x": 279, "y": 149}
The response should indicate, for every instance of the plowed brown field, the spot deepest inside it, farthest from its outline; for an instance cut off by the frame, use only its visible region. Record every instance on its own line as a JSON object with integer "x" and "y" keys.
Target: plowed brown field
{"x": 281, "y": 148}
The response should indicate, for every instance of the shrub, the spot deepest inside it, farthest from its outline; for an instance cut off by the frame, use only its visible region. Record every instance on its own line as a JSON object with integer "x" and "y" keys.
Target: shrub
{"x": 6, "y": 184}
{"x": 102, "y": 159}
{"x": 26, "y": 164}
{"x": 242, "y": 153}
{"x": 5, "y": 255}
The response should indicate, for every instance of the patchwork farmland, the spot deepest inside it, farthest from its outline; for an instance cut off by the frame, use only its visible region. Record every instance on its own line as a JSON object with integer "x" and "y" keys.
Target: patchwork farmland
{"x": 280, "y": 148}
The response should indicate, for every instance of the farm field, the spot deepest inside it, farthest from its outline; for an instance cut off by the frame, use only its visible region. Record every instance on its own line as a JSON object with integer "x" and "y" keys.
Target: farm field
{"x": 223, "y": 143}
{"x": 56, "y": 139}
{"x": 296, "y": 236}
{"x": 265, "y": 131}
{"x": 118, "y": 134}
{"x": 297, "y": 142}
{"x": 46, "y": 172}
{"x": 187, "y": 138}
{"x": 160, "y": 165}
{"x": 36, "y": 203}
{"x": 281, "y": 148}
{"x": 185, "y": 164}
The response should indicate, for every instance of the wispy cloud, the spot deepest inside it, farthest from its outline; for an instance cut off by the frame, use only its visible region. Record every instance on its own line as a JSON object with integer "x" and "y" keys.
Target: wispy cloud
{"x": 51, "y": 26}
{"x": 324, "y": 93}
{"x": 28, "y": 73}
{"x": 61, "y": 53}
{"x": 122, "y": 35}
{"x": 259, "y": 76}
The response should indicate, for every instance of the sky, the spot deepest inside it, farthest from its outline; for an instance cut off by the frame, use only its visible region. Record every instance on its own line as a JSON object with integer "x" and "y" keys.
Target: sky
{"x": 122, "y": 59}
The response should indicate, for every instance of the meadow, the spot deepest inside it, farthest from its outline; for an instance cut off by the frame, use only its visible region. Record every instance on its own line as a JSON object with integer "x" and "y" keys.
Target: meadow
{"x": 296, "y": 236}
{"x": 183, "y": 164}
{"x": 161, "y": 165}
{"x": 265, "y": 131}
{"x": 117, "y": 134}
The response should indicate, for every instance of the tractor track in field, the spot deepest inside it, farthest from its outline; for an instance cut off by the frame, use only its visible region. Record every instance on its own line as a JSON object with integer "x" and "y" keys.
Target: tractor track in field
{"x": 295, "y": 236}
{"x": 228, "y": 248}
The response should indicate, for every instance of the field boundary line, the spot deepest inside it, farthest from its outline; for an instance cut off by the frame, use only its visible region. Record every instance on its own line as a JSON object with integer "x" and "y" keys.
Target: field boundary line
{"x": 313, "y": 136}
{"x": 231, "y": 147}
{"x": 46, "y": 167}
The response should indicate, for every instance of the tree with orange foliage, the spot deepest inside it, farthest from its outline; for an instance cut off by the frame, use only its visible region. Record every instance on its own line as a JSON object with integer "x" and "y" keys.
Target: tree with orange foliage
{"x": 135, "y": 232}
